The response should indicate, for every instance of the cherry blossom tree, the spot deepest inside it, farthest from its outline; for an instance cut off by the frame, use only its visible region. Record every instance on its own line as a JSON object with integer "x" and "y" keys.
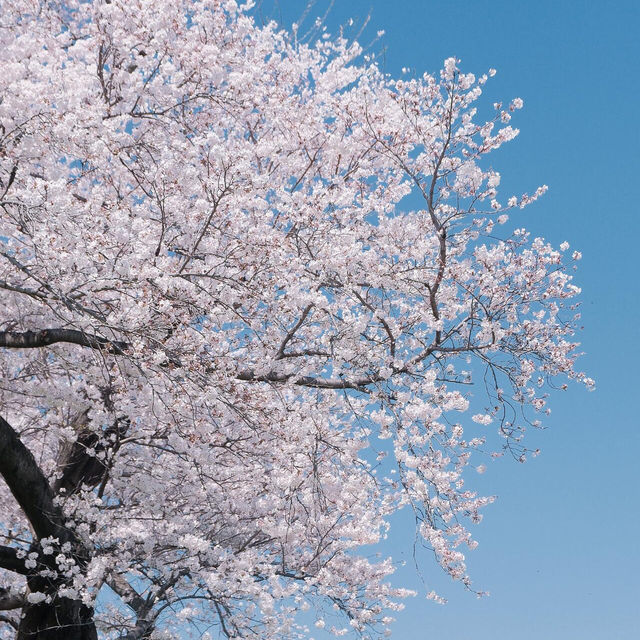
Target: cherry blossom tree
{"x": 256, "y": 299}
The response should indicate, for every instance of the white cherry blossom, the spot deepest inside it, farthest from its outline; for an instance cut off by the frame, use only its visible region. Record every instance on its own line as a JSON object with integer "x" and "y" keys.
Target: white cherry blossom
{"x": 248, "y": 288}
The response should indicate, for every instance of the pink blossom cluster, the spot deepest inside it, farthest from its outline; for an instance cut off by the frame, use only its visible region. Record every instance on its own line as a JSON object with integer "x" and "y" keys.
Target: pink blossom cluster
{"x": 279, "y": 353}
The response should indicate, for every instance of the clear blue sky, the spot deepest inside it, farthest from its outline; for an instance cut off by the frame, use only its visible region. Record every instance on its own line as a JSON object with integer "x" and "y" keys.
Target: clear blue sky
{"x": 560, "y": 550}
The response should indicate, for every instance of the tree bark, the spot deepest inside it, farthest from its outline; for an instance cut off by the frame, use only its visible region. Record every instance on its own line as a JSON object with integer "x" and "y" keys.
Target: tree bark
{"x": 46, "y": 337}
{"x": 60, "y": 618}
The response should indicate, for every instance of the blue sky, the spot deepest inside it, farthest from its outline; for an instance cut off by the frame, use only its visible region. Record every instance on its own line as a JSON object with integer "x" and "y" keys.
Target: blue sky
{"x": 560, "y": 550}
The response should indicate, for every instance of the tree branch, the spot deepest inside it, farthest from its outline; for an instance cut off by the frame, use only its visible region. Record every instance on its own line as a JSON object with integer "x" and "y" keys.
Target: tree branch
{"x": 45, "y": 337}
{"x": 68, "y": 302}
{"x": 281, "y": 354}
{"x": 9, "y": 621}
{"x": 29, "y": 486}
{"x": 359, "y": 384}
{"x": 120, "y": 585}
{"x": 142, "y": 607}
{"x": 10, "y": 600}
{"x": 9, "y": 560}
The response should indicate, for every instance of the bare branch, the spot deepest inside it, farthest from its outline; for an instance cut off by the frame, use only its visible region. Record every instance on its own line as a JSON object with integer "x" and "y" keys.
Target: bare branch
{"x": 281, "y": 354}
{"x": 120, "y": 585}
{"x": 359, "y": 384}
{"x": 46, "y": 337}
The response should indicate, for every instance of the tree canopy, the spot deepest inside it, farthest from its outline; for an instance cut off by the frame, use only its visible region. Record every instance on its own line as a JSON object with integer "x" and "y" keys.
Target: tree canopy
{"x": 256, "y": 299}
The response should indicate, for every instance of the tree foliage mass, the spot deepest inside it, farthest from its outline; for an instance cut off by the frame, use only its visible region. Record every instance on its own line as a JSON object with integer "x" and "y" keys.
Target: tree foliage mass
{"x": 256, "y": 298}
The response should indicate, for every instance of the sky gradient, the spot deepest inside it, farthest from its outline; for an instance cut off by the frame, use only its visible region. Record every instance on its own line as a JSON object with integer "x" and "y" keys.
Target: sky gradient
{"x": 560, "y": 549}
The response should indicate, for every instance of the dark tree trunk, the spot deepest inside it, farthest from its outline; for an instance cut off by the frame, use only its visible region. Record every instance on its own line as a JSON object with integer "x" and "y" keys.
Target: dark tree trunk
{"x": 62, "y": 619}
